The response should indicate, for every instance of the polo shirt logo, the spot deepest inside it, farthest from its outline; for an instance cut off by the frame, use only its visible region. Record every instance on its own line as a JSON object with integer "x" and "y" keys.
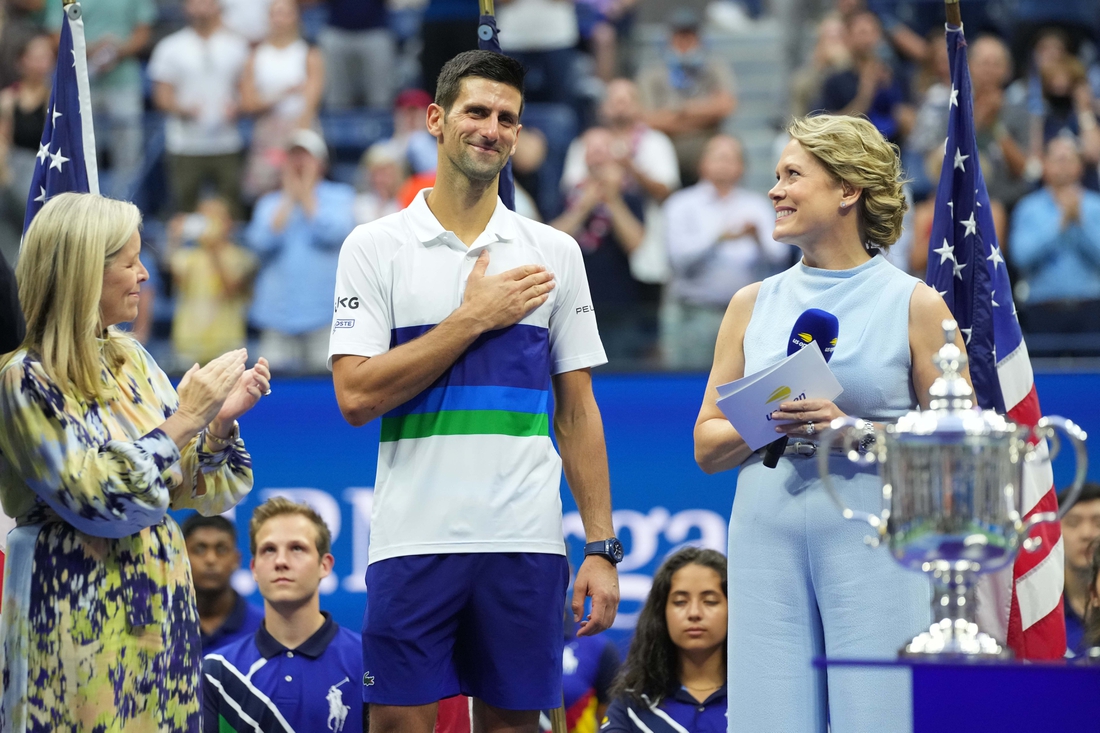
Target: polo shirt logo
{"x": 337, "y": 710}
{"x": 368, "y": 679}
{"x": 346, "y": 302}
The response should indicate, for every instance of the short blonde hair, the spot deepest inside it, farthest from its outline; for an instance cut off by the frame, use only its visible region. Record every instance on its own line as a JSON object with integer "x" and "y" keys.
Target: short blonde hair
{"x": 853, "y": 151}
{"x": 278, "y": 506}
{"x": 65, "y": 251}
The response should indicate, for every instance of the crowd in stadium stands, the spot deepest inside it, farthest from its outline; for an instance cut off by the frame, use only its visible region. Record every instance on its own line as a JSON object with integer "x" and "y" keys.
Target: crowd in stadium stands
{"x": 255, "y": 134}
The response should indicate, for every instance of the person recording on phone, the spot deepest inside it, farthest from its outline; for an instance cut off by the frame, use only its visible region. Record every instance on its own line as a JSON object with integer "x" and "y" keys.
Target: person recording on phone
{"x": 838, "y": 198}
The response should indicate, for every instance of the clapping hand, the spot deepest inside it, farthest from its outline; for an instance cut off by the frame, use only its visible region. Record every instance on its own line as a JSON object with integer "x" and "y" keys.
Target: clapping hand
{"x": 250, "y": 386}
{"x": 203, "y": 390}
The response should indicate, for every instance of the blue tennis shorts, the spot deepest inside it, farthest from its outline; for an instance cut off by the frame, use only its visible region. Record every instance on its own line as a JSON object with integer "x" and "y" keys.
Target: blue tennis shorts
{"x": 488, "y": 625}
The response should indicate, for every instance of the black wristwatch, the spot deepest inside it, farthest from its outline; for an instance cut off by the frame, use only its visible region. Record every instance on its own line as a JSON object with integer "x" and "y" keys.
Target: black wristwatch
{"x": 610, "y": 549}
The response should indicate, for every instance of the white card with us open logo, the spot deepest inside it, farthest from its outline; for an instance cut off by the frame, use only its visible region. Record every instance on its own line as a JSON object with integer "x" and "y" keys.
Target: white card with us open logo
{"x": 749, "y": 402}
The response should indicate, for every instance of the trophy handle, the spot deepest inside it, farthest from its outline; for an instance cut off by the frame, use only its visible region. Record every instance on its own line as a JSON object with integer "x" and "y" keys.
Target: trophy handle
{"x": 1044, "y": 429}
{"x": 843, "y": 426}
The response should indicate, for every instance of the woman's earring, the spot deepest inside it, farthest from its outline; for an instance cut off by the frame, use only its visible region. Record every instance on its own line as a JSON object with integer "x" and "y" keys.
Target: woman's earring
{"x": 843, "y": 204}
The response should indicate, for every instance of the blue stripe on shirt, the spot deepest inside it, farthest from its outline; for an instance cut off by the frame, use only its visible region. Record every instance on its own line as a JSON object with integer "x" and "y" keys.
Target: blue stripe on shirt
{"x": 517, "y": 356}
{"x": 508, "y": 399}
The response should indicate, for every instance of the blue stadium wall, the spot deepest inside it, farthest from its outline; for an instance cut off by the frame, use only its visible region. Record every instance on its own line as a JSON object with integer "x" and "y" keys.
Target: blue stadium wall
{"x": 301, "y": 447}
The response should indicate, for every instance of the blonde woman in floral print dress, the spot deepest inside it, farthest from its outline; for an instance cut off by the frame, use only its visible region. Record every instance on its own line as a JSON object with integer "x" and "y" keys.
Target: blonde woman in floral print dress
{"x": 99, "y": 627}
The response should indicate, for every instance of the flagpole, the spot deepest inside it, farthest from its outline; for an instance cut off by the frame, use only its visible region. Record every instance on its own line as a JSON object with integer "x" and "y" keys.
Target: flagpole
{"x": 954, "y": 14}
{"x": 486, "y": 7}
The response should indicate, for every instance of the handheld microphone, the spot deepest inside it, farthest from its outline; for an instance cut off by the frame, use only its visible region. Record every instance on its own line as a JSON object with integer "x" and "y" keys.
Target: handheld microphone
{"x": 814, "y": 326}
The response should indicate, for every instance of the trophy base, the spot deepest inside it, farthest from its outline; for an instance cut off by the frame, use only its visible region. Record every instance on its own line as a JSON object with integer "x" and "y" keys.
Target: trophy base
{"x": 955, "y": 640}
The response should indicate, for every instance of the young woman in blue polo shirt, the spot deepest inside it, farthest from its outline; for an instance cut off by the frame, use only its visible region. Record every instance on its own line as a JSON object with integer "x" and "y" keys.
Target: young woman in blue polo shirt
{"x": 674, "y": 679}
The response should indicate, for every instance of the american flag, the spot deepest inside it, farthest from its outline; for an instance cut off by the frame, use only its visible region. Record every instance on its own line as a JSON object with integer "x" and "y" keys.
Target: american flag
{"x": 488, "y": 40}
{"x": 66, "y": 153}
{"x": 966, "y": 266}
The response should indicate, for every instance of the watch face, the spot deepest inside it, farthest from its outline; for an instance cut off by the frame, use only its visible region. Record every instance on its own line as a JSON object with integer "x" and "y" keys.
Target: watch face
{"x": 615, "y": 548}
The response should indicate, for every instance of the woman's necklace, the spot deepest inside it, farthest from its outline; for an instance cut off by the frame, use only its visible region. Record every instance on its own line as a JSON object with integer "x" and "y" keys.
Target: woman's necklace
{"x": 704, "y": 689}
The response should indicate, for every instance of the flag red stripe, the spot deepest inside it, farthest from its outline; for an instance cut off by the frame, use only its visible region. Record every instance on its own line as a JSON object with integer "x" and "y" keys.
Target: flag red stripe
{"x": 1026, "y": 411}
{"x": 1044, "y": 639}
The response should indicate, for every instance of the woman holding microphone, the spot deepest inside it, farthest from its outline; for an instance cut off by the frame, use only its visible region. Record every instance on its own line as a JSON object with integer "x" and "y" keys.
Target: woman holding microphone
{"x": 802, "y": 583}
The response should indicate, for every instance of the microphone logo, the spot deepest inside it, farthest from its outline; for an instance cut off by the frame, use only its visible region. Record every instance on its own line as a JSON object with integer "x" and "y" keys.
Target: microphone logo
{"x": 806, "y": 338}
{"x": 780, "y": 394}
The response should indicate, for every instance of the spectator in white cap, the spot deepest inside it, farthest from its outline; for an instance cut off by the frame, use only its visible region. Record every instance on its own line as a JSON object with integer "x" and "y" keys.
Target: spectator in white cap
{"x": 297, "y": 231}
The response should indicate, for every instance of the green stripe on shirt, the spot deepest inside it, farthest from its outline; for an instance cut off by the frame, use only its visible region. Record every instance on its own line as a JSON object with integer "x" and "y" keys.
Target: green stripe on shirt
{"x": 464, "y": 422}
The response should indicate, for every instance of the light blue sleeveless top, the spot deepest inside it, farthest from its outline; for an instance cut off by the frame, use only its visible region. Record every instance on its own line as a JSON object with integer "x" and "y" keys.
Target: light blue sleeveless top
{"x": 871, "y": 302}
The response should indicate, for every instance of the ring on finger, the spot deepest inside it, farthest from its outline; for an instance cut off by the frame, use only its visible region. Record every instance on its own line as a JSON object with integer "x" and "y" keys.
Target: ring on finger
{"x": 810, "y": 429}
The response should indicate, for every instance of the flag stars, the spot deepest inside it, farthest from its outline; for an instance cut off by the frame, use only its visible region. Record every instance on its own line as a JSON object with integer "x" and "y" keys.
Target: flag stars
{"x": 967, "y": 333}
{"x": 43, "y": 152}
{"x": 959, "y": 158}
{"x": 57, "y": 160}
{"x": 55, "y": 114}
{"x": 41, "y": 197}
{"x": 946, "y": 252}
{"x": 993, "y": 297}
{"x": 995, "y": 256}
{"x": 954, "y": 97}
{"x": 958, "y": 267}
{"x": 971, "y": 225}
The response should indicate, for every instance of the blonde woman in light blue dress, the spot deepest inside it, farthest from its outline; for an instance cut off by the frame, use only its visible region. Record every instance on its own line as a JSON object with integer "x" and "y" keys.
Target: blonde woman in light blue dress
{"x": 802, "y": 583}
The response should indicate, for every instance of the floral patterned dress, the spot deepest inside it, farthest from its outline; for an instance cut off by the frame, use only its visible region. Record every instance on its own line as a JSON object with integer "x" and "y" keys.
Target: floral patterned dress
{"x": 99, "y": 626}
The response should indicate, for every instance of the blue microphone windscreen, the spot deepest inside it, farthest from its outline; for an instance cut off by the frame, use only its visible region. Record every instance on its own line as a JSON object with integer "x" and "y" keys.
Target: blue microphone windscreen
{"x": 814, "y": 326}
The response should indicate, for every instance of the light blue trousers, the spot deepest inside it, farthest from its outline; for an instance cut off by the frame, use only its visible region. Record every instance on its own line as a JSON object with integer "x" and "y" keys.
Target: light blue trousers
{"x": 803, "y": 585}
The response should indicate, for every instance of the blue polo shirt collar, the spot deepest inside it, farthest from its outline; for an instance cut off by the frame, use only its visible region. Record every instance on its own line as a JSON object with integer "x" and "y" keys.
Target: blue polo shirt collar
{"x": 313, "y": 647}
{"x": 428, "y": 230}
{"x": 232, "y": 624}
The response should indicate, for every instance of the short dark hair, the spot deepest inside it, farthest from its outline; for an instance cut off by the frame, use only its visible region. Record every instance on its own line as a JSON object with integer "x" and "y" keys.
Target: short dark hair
{"x": 1090, "y": 491}
{"x": 198, "y": 521}
{"x": 483, "y": 65}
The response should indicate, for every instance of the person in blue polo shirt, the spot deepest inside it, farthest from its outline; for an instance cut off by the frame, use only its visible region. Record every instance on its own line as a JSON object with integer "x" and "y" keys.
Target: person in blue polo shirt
{"x": 674, "y": 678}
{"x": 300, "y": 668}
{"x": 224, "y": 615}
{"x": 454, "y": 319}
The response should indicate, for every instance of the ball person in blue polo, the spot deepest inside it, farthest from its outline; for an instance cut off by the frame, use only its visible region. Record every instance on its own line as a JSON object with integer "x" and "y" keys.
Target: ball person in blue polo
{"x": 300, "y": 668}
{"x": 453, "y": 320}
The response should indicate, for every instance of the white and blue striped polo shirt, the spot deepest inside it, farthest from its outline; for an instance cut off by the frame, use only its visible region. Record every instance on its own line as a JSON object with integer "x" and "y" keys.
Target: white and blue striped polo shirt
{"x": 257, "y": 685}
{"x": 467, "y": 465}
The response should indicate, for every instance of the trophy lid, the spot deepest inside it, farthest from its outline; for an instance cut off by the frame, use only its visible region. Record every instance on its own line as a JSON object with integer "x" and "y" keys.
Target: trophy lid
{"x": 950, "y": 391}
{"x": 952, "y": 412}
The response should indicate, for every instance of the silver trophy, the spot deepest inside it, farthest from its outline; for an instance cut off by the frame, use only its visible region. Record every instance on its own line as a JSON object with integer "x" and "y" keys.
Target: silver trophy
{"x": 951, "y": 482}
